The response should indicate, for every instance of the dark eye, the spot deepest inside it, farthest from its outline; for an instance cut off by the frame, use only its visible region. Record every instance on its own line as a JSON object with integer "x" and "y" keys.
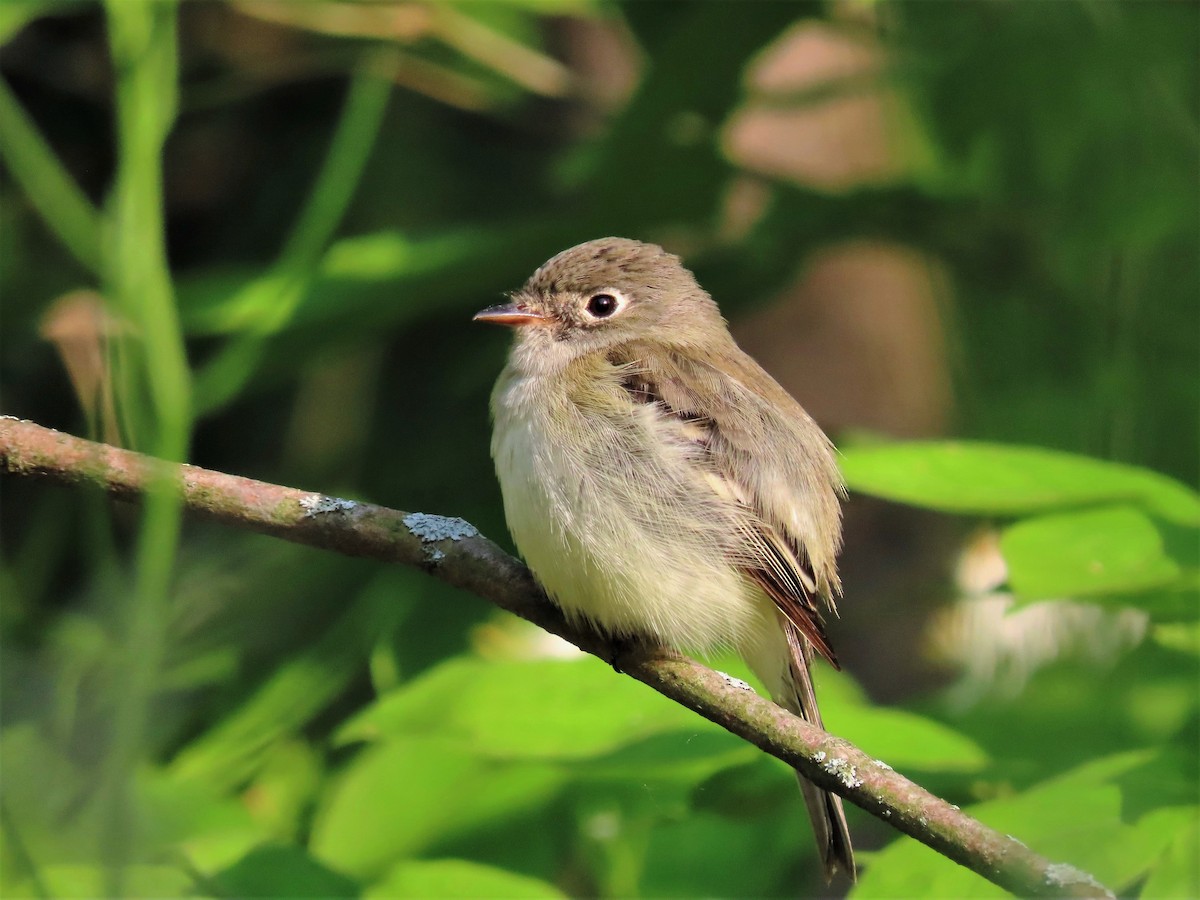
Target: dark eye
{"x": 602, "y": 305}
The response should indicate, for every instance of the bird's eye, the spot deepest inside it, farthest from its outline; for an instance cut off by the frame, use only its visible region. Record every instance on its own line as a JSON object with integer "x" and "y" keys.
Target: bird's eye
{"x": 602, "y": 305}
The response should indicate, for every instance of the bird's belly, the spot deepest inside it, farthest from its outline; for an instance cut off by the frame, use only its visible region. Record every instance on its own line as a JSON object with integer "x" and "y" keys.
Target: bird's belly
{"x": 617, "y": 557}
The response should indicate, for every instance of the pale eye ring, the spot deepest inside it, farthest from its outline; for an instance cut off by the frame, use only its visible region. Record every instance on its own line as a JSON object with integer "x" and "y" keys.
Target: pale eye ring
{"x": 601, "y": 306}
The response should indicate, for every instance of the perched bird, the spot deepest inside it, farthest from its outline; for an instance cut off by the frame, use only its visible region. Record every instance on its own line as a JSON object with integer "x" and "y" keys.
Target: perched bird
{"x": 660, "y": 484}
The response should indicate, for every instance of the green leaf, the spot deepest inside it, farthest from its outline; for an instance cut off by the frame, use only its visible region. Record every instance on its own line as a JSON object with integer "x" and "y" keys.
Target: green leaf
{"x": 908, "y": 741}
{"x": 393, "y": 799}
{"x": 48, "y": 186}
{"x": 355, "y": 274}
{"x": 1176, "y": 602}
{"x": 1079, "y": 554}
{"x": 42, "y": 787}
{"x": 1074, "y": 819}
{"x": 1176, "y": 873}
{"x": 401, "y": 795}
{"x": 16, "y": 14}
{"x": 902, "y": 739}
{"x": 541, "y": 709}
{"x": 702, "y": 854}
{"x": 686, "y": 756}
{"x": 78, "y": 880}
{"x": 1181, "y": 636}
{"x": 997, "y": 479}
{"x": 211, "y": 828}
{"x": 282, "y": 871}
{"x": 299, "y": 688}
{"x": 281, "y": 795}
{"x": 458, "y": 879}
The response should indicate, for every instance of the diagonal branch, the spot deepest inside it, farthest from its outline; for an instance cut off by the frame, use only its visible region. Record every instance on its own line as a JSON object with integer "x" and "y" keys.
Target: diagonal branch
{"x": 455, "y": 552}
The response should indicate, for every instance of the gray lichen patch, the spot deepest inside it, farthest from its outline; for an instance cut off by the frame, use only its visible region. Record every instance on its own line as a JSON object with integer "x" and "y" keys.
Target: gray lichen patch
{"x": 735, "y": 682}
{"x": 1063, "y": 874}
{"x": 840, "y": 767}
{"x": 431, "y": 528}
{"x": 319, "y": 504}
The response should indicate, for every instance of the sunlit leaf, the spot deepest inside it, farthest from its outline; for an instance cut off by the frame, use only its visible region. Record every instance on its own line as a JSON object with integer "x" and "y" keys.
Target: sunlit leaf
{"x": 907, "y": 740}
{"x": 1184, "y": 637}
{"x": 902, "y": 739}
{"x": 1075, "y": 819}
{"x": 687, "y": 755}
{"x": 280, "y": 797}
{"x": 400, "y": 795}
{"x": 212, "y": 828}
{"x": 544, "y": 709}
{"x": 1006, "y": 480}
{"x": 458, "y": 879}
{"x": 1078, "y": 554}
{"x": 1177, "y": 873}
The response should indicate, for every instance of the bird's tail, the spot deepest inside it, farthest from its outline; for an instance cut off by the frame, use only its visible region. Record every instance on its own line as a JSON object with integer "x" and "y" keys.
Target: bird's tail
{"x": 824, "y": 809}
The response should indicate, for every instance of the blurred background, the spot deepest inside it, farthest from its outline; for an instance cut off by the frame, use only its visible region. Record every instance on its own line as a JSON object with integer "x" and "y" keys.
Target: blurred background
{"x": 252, "y": 235}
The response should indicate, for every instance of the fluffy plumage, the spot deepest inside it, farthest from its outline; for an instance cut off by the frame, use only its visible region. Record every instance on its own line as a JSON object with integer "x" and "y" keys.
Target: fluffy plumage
{"x": 660, "y": 483}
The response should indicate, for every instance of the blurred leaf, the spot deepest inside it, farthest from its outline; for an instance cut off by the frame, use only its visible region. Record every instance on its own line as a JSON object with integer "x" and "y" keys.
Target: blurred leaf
{"x": 1172, "y": 603}
{"x": 541, "y": 7}
{"x": 274, "y": 297}
{"x": 393, "y": 799}
{"x": 1177, "y": 872}
{"x": 748, "y": 791}
{"x": 14, "y": 14}
{"x": 43, "y": 791}
{"x": 209, "y": 827}
{"x": 300, "y": 688}
{"x": 458, "y": 879}
{"x": 675, "y": 864}
{"x": 282, "y": 871}
{"x": 1167, "y": 779}
{"x": 47, "y": 185}
{"x": 994, "y": 479}
{"x": 1082, "y": 553}
{"x": 1075, "y": 819}
{"x": 504, "y": 39}
{"x": 902, "y": 739}
{"x": 385, "y": 276}
{"x": 906, "y": 740}
{"x": 659, "y": 162}
{"x": 1184, "y": 637}
{"x": 215, "y": 666}
{"x": 78, "y": 880}
{"x": 281, "y": 794}
{"x": 685, "y": 755}
{"x": 544, "y": 709}
{"x": 399, "y": 796}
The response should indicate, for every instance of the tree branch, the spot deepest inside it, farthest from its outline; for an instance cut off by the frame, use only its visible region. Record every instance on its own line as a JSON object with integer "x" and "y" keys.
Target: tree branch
{"x": 455, "y": 552}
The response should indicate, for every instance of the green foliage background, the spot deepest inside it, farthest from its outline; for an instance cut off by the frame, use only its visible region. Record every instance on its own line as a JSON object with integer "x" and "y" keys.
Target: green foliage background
{"x": 192, "y": 711}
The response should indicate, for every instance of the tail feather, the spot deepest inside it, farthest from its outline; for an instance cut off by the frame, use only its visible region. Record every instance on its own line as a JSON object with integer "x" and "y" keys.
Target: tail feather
{"x": 829, "y": 828}
{"x": 824, "y": 809}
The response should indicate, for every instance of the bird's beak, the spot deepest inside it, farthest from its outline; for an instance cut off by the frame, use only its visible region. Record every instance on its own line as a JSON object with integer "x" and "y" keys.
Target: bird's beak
{"x": 514, "y": 314}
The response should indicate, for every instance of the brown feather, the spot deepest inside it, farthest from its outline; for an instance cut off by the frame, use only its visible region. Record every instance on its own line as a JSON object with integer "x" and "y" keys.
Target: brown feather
{"x": 825, "y": 810}
{"x": 784, "y": 572}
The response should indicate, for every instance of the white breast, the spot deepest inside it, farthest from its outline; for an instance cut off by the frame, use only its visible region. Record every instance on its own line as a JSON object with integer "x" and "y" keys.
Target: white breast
{"x": 616, "y": 523}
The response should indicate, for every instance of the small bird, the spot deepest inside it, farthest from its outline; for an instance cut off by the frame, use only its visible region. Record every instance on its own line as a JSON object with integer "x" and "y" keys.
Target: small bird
{"x": 660, "y": 484}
